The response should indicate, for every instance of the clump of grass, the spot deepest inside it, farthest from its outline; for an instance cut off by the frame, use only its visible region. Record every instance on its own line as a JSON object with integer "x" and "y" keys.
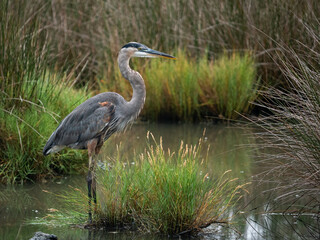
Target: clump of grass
{"x": 24, "y": 130}
{"x": 161, "y": 191}
{"x": 231, "y": 85}
{"x": 175, "y": 86}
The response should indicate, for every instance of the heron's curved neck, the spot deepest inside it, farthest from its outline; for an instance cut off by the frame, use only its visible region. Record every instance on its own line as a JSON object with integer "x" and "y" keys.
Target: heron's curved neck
{"x": 136, "y": 81}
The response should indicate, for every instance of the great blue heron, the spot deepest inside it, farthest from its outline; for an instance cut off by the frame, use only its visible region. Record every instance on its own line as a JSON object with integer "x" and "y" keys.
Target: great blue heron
{"x": 96, "y": 119}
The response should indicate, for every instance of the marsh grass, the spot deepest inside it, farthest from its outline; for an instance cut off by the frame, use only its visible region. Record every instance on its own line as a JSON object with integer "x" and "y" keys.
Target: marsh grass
{"x": 24, "y": 131}
{"x": 294, "y": 127}
{"x": 159, "y": 191}
{"x": 230, "y": 85}
{"x": 33, "y": 99}
{"x": 293, "y": 134}
{"x": 174, "y": 86}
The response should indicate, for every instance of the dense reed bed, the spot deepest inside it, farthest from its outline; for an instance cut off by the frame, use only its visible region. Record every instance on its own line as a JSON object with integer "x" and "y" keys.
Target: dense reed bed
{"x": 161, "y": 191}
{"x": 89, "y": 34}
{"x": 86, "y": 36}
{"x": 292, "y": 131}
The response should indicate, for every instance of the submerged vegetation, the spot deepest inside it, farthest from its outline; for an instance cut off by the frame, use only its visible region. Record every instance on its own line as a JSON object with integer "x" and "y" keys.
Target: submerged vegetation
{"x": 160, "y": 191}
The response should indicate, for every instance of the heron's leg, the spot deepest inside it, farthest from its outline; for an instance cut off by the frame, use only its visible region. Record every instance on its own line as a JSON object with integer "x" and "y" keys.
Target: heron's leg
{"x": 91, "y": 177}
{"x": 89, "y": 182}
{"x": 94, "y": 182}
{"x": 94, "y": 178}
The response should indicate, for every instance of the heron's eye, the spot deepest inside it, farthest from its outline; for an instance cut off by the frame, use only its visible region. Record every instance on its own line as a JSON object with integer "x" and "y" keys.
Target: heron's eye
{"x": 139, "y": 48}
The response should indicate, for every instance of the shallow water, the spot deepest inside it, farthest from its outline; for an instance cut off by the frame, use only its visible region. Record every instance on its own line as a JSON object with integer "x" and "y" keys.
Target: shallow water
{"x": 230, "y": 148}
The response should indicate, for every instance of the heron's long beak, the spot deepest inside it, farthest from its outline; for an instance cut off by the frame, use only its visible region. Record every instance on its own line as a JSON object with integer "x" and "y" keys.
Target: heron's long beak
{"x": 154, "y": 53}
{"x": 147, "y": 52}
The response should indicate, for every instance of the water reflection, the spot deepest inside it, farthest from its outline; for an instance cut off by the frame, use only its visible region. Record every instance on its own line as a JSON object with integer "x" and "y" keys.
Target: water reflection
{"x": 229, "y": 149}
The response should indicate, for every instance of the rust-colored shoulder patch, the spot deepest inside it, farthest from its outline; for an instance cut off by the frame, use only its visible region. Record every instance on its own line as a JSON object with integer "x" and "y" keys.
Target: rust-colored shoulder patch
{"x": 103, "y": 104}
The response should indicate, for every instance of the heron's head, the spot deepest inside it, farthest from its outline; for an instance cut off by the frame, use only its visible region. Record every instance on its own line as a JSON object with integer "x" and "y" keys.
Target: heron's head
{"x": 135, "y": 49}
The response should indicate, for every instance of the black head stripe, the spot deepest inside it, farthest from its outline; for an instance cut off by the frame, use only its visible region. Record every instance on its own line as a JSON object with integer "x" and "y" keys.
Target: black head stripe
{"x": 133, "y": 44}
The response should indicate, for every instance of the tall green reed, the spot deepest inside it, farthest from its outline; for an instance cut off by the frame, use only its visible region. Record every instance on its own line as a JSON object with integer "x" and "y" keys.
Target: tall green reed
{"x": 25, "y": 128}
{"x": 174, "y": 87}
{"x": 235, "y": 84}
{"x": 23, "y": 51}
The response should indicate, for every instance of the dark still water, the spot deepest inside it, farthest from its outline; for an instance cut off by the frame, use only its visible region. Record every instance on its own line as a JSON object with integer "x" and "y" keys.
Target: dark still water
{"x": 231, "y": 148}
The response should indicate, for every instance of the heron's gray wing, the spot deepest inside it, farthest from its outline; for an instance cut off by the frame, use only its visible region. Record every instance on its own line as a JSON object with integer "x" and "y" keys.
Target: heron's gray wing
{"x": 95, "y": 124}
{"x": 86, "y": 122}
